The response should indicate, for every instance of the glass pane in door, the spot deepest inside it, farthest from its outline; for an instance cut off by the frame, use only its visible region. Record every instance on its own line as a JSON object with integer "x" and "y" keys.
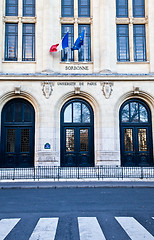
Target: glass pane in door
{"x": 70, "y": 140}
{"x": 84, "y": 140}
{"x": 77, "y": 112}
{"x": 25, "y": 140}
{"x": 11, "y": 140}
{"x": 142, "y": 139}
{"x": 128, "y": 139}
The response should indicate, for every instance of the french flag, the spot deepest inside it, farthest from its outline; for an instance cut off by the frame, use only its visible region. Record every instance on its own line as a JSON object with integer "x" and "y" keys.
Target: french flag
{"x": 63, "y": 44}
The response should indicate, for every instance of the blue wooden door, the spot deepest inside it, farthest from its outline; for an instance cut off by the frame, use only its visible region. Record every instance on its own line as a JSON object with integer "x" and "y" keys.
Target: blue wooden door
{"x": 77, "y": 145}
{"x": 136, "y": 134}
{"x": 17, "y": 143}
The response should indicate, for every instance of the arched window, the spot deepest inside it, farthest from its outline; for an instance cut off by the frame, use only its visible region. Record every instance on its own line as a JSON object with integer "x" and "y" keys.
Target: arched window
{"x": 136, "y": 134}
{"x": 77, "y": 112}
{"x": 134, "y": 112}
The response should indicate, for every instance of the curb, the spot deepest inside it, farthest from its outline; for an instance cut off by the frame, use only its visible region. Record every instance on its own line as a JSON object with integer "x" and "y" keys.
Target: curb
{"x": 53, "y": 185}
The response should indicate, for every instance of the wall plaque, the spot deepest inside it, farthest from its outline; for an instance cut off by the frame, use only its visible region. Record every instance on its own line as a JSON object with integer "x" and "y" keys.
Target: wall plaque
{"x": 47, "y": 146}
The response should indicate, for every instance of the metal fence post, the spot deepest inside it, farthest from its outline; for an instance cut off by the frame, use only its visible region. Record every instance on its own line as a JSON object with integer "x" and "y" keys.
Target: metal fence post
{"x": 13, "y": 174}
{"x": 58, "y": 173}
{"x": 141, "y": 172}
{"x": 122, "y": 173}
{"x": 78, "y": 173}
{"x": 98, "y": 172}
{"x": 34, "y": 173}
{"x": 38, "y": 172}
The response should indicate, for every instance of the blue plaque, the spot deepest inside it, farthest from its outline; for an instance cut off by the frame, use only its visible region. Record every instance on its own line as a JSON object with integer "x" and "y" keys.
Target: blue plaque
{"x": 47, "y": 146}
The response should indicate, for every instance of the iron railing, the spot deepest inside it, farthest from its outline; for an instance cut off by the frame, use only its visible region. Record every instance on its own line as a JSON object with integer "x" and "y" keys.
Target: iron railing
{"x": 56, "y": 173}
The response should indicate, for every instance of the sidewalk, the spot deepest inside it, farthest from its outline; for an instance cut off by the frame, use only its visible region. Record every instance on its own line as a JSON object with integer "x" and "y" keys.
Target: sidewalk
{"x": 76, "y": 184}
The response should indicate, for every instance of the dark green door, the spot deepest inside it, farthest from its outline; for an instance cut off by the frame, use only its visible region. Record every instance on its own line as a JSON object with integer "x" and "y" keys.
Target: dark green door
{"x": 77, "y": 145}
{"x": 136, "y": 134}
{"x": 136, "y": 146}
{"x": 17, "y": 143}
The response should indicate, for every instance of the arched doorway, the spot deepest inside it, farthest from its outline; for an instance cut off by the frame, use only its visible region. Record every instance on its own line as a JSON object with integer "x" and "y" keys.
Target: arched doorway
{"x": 136, "y": 134}
{"x": 77, "y": 134}
{"x": 18, "y": 127}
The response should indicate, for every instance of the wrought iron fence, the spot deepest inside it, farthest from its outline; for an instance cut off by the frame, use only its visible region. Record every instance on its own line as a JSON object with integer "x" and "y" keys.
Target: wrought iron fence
{"x": 101, "y": 172}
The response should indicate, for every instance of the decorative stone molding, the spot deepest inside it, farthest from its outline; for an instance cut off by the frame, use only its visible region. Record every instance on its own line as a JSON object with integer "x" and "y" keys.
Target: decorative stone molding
{"x": 107, "y": 88}
{"x": 47, "y": 89}
{"x": 17, "y": 89}
{"x": 136, "y": 90}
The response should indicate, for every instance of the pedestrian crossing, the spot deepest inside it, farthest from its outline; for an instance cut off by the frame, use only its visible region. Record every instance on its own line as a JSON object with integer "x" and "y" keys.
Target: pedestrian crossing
{"x": 88, "y": 227}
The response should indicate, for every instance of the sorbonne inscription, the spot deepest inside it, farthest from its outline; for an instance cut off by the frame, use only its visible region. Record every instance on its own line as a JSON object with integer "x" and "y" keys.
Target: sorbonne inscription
{"x": 78, "y": 68}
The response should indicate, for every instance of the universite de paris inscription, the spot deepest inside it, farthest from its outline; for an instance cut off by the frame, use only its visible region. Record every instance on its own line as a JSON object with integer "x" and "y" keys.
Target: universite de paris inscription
{"x": 76, "y": 83}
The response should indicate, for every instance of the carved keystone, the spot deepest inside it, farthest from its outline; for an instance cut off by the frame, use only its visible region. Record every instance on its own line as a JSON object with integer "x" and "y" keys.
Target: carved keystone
{"x": 17, "y": 89}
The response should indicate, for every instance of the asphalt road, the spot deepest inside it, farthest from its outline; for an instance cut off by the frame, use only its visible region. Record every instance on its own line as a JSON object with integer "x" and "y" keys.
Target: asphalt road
{"x": 75, "y": 205}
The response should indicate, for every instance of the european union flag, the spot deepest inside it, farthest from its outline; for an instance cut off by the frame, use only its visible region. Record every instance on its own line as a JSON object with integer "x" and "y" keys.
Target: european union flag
{"x": 79, "y": 41}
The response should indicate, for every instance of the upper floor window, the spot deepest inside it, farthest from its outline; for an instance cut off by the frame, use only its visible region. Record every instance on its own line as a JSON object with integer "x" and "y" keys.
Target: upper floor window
{"x": 11, "y": 8}
{"x": 122, "y": 8}
{"x": 67, "y": 8}
{"x": 11, "y": 41}
{"x": 28, "y": 48}
{"x": 83, "y": 8}
{"x": 19, "y": 31}
{"x": 138, "y": 8}
{"x": 85, "y": 50}
{"x": 75, "y": 9}
{"x": 67, "y": 55}
{"x": 122, "y": 43}
{"x": 131, "y": 31}
{"x": 28, "y": 8}
{"x": 139, "y": 43}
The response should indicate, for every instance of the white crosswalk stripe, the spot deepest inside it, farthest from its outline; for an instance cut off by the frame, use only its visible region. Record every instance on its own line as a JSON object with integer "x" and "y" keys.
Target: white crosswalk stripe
{"x": 45, "y": 229}
{"x": 6, "y": 225}
{"x": 134, "y": 229}
{"x": 89, "y": 229}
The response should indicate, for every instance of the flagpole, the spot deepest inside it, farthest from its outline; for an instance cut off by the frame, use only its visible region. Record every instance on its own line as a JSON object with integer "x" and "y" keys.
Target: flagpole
{"x": 84, "y": 45}
{"x": 68, "y": 46}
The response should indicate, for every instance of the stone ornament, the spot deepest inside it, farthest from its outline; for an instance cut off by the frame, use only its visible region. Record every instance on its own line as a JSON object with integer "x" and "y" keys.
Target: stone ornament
{"x": 47, "y": 89}
{"x": 107, "y": 88}
{"x": 17, "y": 89}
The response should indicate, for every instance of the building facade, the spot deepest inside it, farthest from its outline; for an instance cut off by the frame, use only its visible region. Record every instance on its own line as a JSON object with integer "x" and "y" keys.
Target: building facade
{"x": 89, "y": 107}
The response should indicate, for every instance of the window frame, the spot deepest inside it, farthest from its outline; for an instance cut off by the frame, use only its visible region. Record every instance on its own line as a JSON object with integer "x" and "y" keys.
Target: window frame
{"x": 71, "y": 7}
{"x": 143, "y": 36}
{"x": 80, "y": 7}
{"x": 7, "y": 5}
{"x": 33, "y": 5}
{"x": 33, "y": 42}
{"x": 6, "y": 41}
{"x": 127, "y": 59}
{"x": 118, "y": 9}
